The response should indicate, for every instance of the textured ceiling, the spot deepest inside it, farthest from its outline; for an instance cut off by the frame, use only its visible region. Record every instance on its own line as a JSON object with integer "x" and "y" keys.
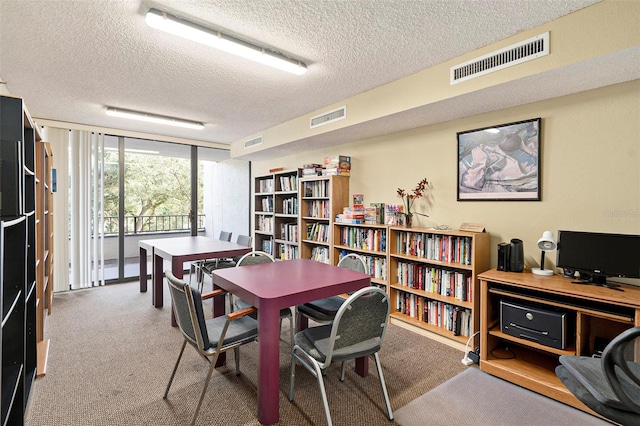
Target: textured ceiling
{"x": 71, "y": 59}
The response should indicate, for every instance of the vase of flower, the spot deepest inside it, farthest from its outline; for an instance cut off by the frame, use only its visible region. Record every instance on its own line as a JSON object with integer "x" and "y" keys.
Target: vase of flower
{"x": 409, "y": 198}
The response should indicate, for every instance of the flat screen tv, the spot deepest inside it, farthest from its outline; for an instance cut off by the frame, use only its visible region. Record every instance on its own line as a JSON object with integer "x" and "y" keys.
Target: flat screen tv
{"x": 597, "y": 255}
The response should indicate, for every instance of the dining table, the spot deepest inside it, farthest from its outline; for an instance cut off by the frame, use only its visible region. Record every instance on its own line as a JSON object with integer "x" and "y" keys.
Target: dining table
{"x": 271, "y": 287}
{"x": 177, "y": 251}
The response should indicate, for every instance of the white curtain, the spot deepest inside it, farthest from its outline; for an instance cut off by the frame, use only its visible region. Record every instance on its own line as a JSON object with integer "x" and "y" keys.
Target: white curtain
{"x": 86, "y": 243}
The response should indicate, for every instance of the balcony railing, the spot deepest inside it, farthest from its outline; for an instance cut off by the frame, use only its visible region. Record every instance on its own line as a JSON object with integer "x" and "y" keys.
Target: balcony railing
{"x": 151, "y": 224}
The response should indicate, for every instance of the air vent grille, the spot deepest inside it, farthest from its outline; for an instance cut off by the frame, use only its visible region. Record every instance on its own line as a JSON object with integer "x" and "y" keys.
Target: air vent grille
{"x": 328, "y": 117}
{"x": 253, "y": 142}
{"x": 518, "y": 53}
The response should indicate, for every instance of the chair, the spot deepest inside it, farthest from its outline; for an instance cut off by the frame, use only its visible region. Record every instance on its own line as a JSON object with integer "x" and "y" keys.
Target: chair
{"x": 253, "y": 258}
{"x": 324, "y": 310}
{"x": 208, "y": 266}
{"x": 610, "y": 386}
{"x": 356, "y": 331}
{"x": 196, "y": 267}
{"x": 209, "y": 337}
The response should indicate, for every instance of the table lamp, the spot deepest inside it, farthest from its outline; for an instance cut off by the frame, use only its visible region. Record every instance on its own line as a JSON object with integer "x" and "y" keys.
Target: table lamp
{"x": 545, "y": 243}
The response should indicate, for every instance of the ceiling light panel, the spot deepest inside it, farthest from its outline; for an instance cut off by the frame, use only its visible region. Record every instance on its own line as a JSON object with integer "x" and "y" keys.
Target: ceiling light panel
{"x": 154, "y": 118}
{"x": 209, "y": 37}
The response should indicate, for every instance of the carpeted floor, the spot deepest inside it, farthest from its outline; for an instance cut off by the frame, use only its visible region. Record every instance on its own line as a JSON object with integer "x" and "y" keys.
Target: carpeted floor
{"x": 111, "y": 355}
{"x": 476, "y": 398}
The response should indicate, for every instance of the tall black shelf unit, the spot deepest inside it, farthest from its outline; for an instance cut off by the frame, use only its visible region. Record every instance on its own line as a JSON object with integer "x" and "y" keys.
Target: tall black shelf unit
{"x": 18, "y": 353}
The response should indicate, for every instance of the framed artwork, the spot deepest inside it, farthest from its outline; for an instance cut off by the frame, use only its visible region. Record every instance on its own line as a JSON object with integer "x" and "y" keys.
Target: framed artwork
{"x": 500, "y": 163}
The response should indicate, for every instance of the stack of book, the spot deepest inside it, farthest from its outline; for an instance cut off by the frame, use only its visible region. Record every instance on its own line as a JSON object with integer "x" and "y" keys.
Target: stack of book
{"x": 337, "y": 165}
{"x": 350, "y": 215}
{"x": 311, "y": 169}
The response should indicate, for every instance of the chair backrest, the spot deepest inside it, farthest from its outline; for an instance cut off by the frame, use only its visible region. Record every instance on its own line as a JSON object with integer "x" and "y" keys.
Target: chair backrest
{"x": 360, "y": 323}
{"x": 187, "y": 306}
{"x": 621, "y": 370}
{"x": 255, "y": 257}
{"x": 225, "y": 236}
{"x": 353, "y": 261}
{"x": 244, "y": 240}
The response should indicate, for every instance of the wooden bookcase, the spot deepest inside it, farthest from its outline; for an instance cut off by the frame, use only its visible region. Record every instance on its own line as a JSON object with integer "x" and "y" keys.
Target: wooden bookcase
{"x": 44, "y": 247}
{"x": 594, "y": 315}
{"x": 321, "y": 199}
{"x": 276, "y": 214}
{"x": 367, "y": 240}
{"x": 18, "y": 356}
{"x": 433, "y": 282}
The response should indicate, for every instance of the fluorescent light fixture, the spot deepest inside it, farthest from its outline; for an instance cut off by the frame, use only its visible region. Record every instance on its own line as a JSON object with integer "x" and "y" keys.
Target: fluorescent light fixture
{"x": 192, "y": 31}
{"x": 492, "y": 130}
{"x": 153, "y": 118}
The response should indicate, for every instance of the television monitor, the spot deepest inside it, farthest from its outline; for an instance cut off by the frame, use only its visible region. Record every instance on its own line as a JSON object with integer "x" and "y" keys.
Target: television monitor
{"x": 597, "y": 255}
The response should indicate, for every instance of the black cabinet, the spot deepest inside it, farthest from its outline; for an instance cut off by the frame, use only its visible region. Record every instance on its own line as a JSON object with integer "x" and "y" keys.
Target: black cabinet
{"x": 18, "y": 357}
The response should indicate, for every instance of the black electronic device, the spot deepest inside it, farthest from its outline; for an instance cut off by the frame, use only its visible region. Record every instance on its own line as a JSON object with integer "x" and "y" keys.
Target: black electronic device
{"x": 598, "y": 255}
{"x": 516, "y": 255}
{"x": 504, "y": 261}
{"x": 547, "y": 327}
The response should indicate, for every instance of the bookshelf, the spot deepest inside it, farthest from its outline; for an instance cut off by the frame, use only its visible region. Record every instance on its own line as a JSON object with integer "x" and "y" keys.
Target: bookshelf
{"x": 276, "y": 214}
{"x": 433, "y": 281}
{"x": 18, "y": 301}
{"x": 321, "y": 199}
{"x": 286, "y": 215}
{"x": 367, "y": 240}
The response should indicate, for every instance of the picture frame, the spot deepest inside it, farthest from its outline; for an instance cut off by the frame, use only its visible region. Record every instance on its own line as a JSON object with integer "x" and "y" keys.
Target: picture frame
{"x": 500, "y": 163}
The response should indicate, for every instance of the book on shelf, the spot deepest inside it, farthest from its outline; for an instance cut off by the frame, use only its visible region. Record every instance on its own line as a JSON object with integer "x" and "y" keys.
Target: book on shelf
{"x": 337, "y": 161}
{"x": 393, "y": 214}
{"x": 358, "y": 201}
{"x": 335, "y": 171}
{"x": 380, "y": 208}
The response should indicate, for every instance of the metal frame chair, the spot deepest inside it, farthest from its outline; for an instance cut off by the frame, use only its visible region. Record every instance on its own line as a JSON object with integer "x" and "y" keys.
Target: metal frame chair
{"x": 610, "y": 386}
{"x": 253, "y": 258}
{"x": 208, "y": 337}
{"x": 356, "y": 331}
{"x": 208, "y": 266}
{"x": 324, "y": 310}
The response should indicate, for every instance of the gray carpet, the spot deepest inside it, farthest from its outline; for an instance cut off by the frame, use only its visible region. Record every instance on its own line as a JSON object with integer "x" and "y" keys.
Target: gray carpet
{"x": 112, "y": 353}
{"x": 476, "y": 398}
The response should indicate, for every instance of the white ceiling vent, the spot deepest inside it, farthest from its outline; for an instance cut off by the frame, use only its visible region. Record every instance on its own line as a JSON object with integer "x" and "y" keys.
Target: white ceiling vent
{"x": 518, "y": 53}
{"x": 328, "y": 117}
{"x": 253, "y": 142}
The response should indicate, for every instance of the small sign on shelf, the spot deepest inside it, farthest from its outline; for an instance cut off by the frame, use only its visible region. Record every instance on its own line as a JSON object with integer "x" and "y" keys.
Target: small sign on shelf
{"x": 472, "y": 227}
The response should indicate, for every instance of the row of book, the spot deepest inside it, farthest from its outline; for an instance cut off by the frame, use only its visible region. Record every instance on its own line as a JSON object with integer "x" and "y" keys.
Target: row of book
{"x": 445, "y": 248}
{"x": 318, "y": 232}
{"x": 289, "y": 231}
{"x": 289, "y": 183}
{"x": 363, "y": 238}
{"x": 264, "y": 223}
{"x": 290, "y": 206}
{"x": 376, "y": 266}
{"x": 318, "y": 209}
{"x": 267, "y": 246}
{"x": 266, "y": 203}
{"x": 288, "y": 252}
{"x": 318, "y": 189}
{"x": 265, "y": 185}
{"x": 436, "y": 280}
{"x": 320, "y": 254}
{"x": 448, "y": 317}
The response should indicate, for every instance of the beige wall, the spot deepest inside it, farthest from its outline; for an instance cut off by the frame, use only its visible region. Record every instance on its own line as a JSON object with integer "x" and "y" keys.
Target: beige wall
{"x": 590, "y": 157}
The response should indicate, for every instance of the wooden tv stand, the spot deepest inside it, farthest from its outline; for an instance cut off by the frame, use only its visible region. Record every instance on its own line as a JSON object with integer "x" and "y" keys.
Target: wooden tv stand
{"x": 595, "y": 314}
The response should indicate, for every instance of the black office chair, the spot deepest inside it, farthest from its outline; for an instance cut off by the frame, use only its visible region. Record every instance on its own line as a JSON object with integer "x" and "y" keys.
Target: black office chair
{"x": 357, "y": 330}
{"x": 324, "y": 310}
{"x": 208, "y": 337}
{"x": 610, "y": 386}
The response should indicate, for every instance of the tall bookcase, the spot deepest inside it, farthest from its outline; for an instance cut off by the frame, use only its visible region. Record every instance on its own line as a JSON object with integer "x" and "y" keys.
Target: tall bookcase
{"x": 44, "y": 247}
{"x": 433, "y": 280}
{"x": 368, "y": 241}
{"x": 18, "y": 357}
{"x": 321, "y": 199}
{"x": 276, "y": 214}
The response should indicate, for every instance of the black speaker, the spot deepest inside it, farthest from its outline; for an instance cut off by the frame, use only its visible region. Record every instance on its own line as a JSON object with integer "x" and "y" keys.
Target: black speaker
{"x": 504, "y": 262}
{"x": 516, "y": 255}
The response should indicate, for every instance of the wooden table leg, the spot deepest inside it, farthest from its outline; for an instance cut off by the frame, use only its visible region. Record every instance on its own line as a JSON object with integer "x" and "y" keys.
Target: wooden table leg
{"x": 143, "y": 270}
{"x": 268, "y": 365}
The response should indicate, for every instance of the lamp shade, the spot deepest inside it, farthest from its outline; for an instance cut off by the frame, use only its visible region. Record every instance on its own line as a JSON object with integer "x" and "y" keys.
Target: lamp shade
{"x": 547, "y": 242}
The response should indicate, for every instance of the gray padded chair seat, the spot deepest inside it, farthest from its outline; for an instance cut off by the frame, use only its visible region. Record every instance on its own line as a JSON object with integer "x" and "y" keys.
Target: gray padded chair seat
{"x": 240, "y": 329}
